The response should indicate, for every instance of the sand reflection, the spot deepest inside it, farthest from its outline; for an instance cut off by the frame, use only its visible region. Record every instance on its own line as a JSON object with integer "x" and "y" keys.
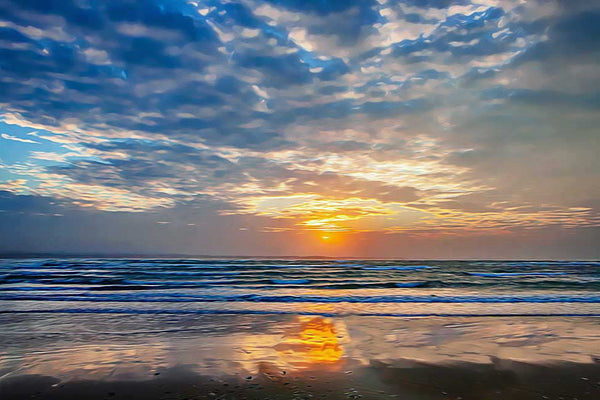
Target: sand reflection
{"x": 95, "y": 361}
{"x": 316, "y": 343}
{"x": 218, "y": 346}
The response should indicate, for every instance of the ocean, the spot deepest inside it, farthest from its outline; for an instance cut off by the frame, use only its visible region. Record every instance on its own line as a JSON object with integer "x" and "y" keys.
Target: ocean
{"x": 298, "y": 328}
{"x": 314, "y": 287}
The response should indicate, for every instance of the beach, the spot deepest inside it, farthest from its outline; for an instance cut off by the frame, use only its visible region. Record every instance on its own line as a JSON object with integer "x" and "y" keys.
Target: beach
{"x": 299, "y": 199}
{"x": 63, "y": 338}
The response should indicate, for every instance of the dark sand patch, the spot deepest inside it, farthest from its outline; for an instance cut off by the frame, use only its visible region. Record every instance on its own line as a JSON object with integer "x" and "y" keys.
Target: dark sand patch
{"x": 400, "y": 380}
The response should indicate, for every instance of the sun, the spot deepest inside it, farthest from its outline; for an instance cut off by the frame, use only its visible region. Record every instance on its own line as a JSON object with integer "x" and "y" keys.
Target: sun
{"x": 328, "y": 238}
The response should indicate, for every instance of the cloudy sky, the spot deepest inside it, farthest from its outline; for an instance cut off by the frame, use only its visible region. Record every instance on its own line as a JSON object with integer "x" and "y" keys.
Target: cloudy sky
{"x": 413, "y": 128}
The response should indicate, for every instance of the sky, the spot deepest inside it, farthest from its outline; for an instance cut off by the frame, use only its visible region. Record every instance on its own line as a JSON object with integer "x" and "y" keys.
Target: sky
{"x": 407, "y": 129}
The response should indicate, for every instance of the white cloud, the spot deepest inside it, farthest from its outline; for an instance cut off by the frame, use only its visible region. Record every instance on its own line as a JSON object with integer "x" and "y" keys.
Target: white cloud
{"x": 17, "y": 139}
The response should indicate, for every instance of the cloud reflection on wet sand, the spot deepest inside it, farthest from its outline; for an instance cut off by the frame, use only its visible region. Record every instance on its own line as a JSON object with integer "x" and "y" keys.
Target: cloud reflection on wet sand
{"x": 227, "y": 345}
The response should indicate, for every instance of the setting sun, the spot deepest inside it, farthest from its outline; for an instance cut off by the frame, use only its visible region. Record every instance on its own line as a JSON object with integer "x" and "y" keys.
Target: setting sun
{"x": 331, "y": 240}
{"x": 329, "y": 237}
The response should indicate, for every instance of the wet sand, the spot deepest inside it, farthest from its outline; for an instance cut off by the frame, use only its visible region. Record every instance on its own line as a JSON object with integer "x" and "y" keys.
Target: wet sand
{"x": 297, "y": 357}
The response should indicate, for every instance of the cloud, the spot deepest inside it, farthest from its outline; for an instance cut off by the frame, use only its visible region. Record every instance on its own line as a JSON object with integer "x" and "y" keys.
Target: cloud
{"x": 17, "y": 139}
{"x": 451, "y": 116}
{"x": 16, "y": 185}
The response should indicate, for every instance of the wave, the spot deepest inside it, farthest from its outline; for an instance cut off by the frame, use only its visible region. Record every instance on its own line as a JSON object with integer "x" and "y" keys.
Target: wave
{"x": 116, "y": 284}
{"x": 207, "y": 298}
{"x": 369, "y": 285}
{"x": 290, "y": 281}
{"x": 512, "y": 274}
{"x": 281, "y": 312}
{"x": 396, "y": 268}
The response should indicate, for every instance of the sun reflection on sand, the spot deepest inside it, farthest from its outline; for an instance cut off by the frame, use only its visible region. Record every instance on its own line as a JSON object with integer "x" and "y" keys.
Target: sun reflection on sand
{"x": 317, "y": 343}
{"x": 285, "y": 346}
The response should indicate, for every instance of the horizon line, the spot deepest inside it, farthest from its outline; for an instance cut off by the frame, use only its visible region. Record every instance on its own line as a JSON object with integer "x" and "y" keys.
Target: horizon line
{"x": 23, "y": 255}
